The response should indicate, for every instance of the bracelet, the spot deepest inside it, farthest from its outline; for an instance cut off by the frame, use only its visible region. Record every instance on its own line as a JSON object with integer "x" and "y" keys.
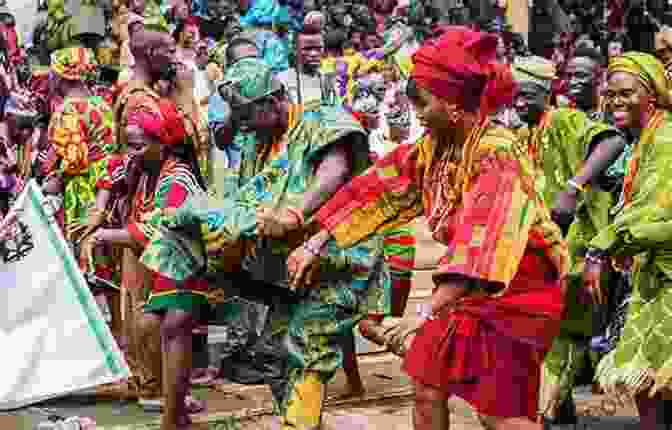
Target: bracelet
{"x": 572, "y": 183}
{"x": 595, "y": 256}
{"x": 308, "y": 247}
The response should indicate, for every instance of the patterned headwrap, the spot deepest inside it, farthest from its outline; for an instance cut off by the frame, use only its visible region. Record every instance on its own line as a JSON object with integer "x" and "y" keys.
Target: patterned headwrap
{"x": 460, "y": 64}
{"x": 534, "y": 69}
{"x": 254, "y": 78}
{"x": 368, "y": 94}
{"x": 648, "y": 69}
{"x": 75, "y": 64}
{"x": 22, "y": 102}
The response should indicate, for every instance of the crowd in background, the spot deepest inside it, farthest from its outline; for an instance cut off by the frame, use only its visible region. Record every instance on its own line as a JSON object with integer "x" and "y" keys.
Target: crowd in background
{"x": 96, "y": 86}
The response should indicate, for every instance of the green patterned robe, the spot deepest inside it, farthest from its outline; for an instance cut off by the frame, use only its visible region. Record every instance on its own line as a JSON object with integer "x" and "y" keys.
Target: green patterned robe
{"x": 358, "y": 280}
{"x": 643, "y": 230}
{"x": 565, "y": 145}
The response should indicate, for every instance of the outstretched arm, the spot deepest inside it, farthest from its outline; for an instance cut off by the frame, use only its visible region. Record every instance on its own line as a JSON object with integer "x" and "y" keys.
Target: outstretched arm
{"x": 607, "y": 148}
{"x": 387, "y": 195}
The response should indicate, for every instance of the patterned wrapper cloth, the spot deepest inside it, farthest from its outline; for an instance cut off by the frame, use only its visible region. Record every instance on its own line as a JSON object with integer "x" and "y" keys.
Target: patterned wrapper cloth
{"x": 82, "y": 137}
{"x": 642, "y": 358}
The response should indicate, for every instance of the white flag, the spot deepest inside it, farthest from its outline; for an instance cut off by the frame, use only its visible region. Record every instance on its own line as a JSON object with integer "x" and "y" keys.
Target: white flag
{"x": 54, "y": 338}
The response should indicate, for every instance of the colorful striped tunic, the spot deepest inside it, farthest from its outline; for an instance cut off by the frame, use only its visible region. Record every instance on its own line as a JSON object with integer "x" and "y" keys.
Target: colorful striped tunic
{"x": 176, "y": 183}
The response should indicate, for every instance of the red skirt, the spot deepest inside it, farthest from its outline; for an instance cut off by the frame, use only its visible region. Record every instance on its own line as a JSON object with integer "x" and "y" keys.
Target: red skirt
{"x": 489, "y": 350}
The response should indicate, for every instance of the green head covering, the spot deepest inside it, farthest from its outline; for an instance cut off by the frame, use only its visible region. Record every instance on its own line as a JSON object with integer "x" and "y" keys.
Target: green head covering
{"x": 648, "y": 69}
{"x": 534, "y": 69}
{"x": 254, "y": 78}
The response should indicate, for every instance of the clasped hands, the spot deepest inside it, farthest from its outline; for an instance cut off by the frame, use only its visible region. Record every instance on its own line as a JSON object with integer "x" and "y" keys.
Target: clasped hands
{"x": 303, "y": 263}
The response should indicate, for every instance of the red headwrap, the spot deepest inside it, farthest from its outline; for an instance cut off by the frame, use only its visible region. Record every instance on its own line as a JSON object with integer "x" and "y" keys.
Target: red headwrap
{"x": 460, "y": 64}
{"x": 172, "y": 130}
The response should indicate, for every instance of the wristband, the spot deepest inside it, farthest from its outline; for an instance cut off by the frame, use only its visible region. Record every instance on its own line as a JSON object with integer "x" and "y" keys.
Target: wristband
{"x": 572, "y": 183}
{"x": 595, "y": 256}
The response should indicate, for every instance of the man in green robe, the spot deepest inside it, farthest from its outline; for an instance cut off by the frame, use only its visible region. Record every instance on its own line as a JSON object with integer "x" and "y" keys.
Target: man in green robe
{"x": 569, "y": 152}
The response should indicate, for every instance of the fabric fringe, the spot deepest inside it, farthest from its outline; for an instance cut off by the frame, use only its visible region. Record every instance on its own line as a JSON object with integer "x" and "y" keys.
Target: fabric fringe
{"x": 630, "y": 378}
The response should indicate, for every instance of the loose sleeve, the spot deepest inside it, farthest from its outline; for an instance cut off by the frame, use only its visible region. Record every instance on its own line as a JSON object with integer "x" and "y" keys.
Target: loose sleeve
{"x": 646, "y": 222}
{"x": 387, "y": 195}
{"x": 173, "y": 190}
{"x": 567, "y": 142}
{"x": 488, "y": 235}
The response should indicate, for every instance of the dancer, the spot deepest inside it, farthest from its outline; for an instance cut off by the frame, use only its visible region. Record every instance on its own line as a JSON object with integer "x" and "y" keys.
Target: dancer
{"x": 498, "y": 301}
{"x": 293, "y": 164}
{"x": 81, "y": 138}
{"x": 153, "y": 78}
{"x": 638, "y": 97}
{"x": 570, "y": 152}
{"x": 170, "y": 174}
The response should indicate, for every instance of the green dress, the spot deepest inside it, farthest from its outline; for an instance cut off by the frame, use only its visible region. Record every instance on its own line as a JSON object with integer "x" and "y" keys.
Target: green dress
{"x": 561, "y": 147}
{"x": 642, "y": 230}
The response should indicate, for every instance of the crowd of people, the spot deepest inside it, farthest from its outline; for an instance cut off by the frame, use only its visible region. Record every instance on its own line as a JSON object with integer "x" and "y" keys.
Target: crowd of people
{"x": 257, "y": 166}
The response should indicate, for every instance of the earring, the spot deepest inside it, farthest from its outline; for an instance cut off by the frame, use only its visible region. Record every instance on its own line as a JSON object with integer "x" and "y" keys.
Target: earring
{"x": 454, "y": 117}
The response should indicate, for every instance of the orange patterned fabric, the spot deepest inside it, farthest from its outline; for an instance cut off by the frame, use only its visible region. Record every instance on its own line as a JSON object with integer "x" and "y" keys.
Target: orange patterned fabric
{"x": 81, "y": 132}
{"x": 500, "y": 216}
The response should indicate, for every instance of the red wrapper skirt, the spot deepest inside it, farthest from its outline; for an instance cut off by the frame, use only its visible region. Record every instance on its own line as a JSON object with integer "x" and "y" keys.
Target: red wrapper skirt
{"x": 488, "y": 350}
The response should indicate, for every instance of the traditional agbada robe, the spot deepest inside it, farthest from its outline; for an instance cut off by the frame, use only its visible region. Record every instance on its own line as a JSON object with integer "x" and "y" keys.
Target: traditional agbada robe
{"x": 559, "y": 146}
{"x": 640, "y": 231}
{"x": 500, "y": 233}
{"x": 281, "y": 175}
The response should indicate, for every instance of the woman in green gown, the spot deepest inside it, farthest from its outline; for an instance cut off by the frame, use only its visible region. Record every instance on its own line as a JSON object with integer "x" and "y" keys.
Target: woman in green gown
{"x": 639, "y": 240}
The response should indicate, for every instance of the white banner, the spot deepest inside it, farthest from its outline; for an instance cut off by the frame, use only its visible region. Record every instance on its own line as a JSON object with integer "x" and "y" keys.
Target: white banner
{"x": 53, "y": 337}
